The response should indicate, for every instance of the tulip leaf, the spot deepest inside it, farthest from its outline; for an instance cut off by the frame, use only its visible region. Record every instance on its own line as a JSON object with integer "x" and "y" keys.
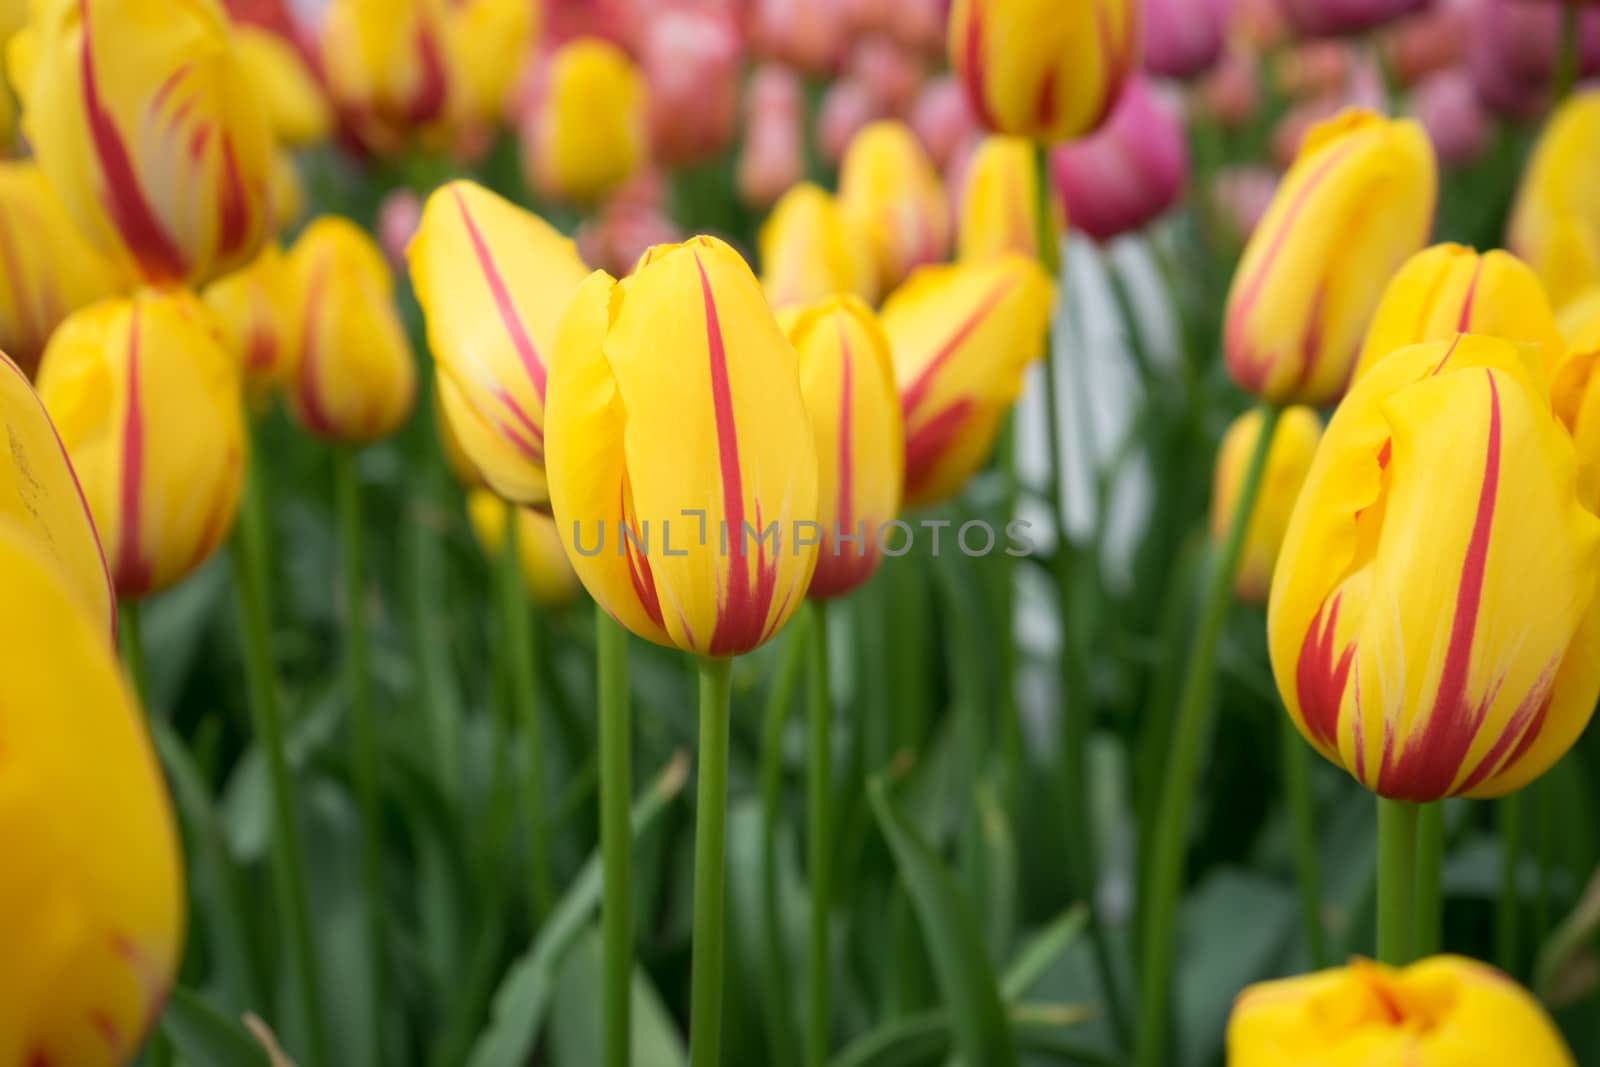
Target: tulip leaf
{"x": 926, "y": 1037}
{"x": 575, "y": 1022}
{"x": 202, "y": 1034}
{"x": 955, "y": 943}
{"x": 1042, "y": 950}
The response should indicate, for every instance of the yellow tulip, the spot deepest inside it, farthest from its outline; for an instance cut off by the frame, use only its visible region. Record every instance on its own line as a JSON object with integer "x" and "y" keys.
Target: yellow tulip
{"x": 39, "y": 496}
{"x": 1579, "y": 320}
{"x": 808, "y": 250}
{"x": 1444, "y": 1011}
{"x": 1450, "y": 289}
{"x": 588, "y": 132}
{"x": 493, "y": 280}
{"x": 149, "y": 130}
{"x": 1575, "y": 391}
{"x": 1288, "y": 460}
{"x": 961, "y": 336}
{"x": 489, "y": 41}
{"x": 890, "y": 191}
{"x": 1555, "y": 222}
{"x": 50, "y": 269}
{"x": 147, "y": 402}
{"x": 1043, "y": 69}
{"x": 297, "y": 108}
{"x": 546, "y": 570}
{"x": 1356, "y": 203}
{"x": 91, "y": 891}
{"x": 999, "y": 210}
{"x": 13, "y": 16}
{"x": 679, "y": 443}
{"x": 256, "y": 310}
{"x": 355, "y": 379}
{"x": 1440, "y": 636}
{"x": 388, "y": 67}
{"x": 847, "y": 380}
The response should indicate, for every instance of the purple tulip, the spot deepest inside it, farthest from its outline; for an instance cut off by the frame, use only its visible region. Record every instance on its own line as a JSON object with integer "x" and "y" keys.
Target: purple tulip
{"x": 1128, "y": 172}
{"x": 1183, "y": 38}
{"x": 1339, "y": 18}
{"x": 1515, "y": 47}
{"x": 1447, "y": 105}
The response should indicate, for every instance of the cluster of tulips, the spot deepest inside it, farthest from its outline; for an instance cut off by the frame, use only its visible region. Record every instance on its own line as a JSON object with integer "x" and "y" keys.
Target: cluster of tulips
{"x": 724, "y": 452}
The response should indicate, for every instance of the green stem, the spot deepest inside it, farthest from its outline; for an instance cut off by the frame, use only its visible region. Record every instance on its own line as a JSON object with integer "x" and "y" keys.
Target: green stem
{"x": 1397, "y": 880}
{"x": 517, "y": 645}
{"x": 710, "y": 831}
{"x": 288, "y": 850}
{"x": 130, "y": 630}
{"x": 616, "y": 797}
{"x": 1191, "y": 732}
{"x": 819, "y": 831}
{"x": 781, "y": 1041}
{"x": 1544, "y": 848}
{"x": 1430, "y": 858}
{"x": 1508, "y": 940}
{"x": 1297, "y": 784}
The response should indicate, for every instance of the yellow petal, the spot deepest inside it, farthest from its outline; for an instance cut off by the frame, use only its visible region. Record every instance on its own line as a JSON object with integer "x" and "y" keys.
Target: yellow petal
{"x": 296, "y": 107}
{"x": 1288, "y": 458}
{"x": 890, "y": 191}
{"x": 258, "y": 315}
{"x": 589, "y": 131}
{"x": 809, "y": 251}
{"x": 1000, "y": 201}
{"x": 1555, "y": 221}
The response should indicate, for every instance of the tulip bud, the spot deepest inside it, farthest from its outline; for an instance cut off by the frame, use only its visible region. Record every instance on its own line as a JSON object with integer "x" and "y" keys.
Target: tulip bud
{"x": 809, "y": 251}
{"x": 297, "y": 109}
{"x": 943, "y": 120}
{"x": 39, "y": 497}
{"x": 848, "y": 107}
{"x": 1231, "y": 94}
{"x": 1450, "y": 289}
{"x": 1340, "y": 18}
{"x": 623, "y": 232}
{"x": 546, "y": 571}
{"x": 1514, "y": 49}
{"x": 387, "y": 65}
{"x": 805, "y": 34}
{"x": 1183, "y": 38}
{"x": 1440, "y": 636}
{"x": 1129, "y": 172}
{"x": 354, "y": 379}
{"x": 1575, "y": 391}
{"x": 92, "y": 883}
{"x": 1428, "y": 43}
{"x": 691, "y": 63}
{"x": 890, "y": 71}
{"x": 160, "y": 151}
{"x": 1358, "y": 200}
{"x": 50, "y": 269}
{"x": 1555, "y": 222}
{"x": 1042, "y": 69}
{"x": 588, "y": 133}
{"x": 1288, "y": 458}
{"x": 255, "y": 309}
{"x": 147, "y": 403}
{"x": 493, "y": 281}
{"x": 961, "y": 336}
{"x": 847, "y": 380}
{"x": 999, "y": 207}
{"x": 772, "y": 157}
{"x": 1444, "y": 1011}
{"x": 489, "y": 41}
{"x": 1448, "y": 107}
{"x": 889, "y": 191}
{"x": 399, "y": 215}
{"x": 698, "y": 487}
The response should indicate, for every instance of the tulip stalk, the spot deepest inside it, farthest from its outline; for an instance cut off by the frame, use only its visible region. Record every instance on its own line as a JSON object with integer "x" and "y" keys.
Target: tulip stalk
{"x": 1191, "y": 731}
{"x": 1397, "y": 879}
{"x": 819, "y": 836}
{"x": 130, "y": 631}
{"x": 1430, "y": 858}
{"x": 710, "y": 875}
{"x": 776, "y": 991}
{"x": 616, "y": 840}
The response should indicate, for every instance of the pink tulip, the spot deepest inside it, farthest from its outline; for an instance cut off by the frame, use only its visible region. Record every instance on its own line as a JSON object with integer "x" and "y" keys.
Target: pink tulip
{"x": 1448, "y": 106}
{"x": 398, "y": 218}
{"x": 772, "y": 157}
{"x": 1241, "y": 195}
{"x": 891, "y": 72}
{"x": 1231, "y": 94}
{"x": 1513, "y": 50}
{"x": 622, "y": 233}
{"x": 1423, "y": 44}
{"x": 1127, "y": 173}
{"x": 1340, "y": 18}
{"x": 808, "y": 34}
{"x": 1259, "y": 24}
{"x": 690, "y": 59}
{"x": 617, "y": 21}
{"x": 1183, "y": 38}
{"x": 847, "y": 106}
{"x": 943, "y": 119}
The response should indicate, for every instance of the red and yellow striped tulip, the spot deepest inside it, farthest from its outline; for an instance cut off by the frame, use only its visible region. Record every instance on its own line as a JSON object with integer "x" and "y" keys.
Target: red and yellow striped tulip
{"x": 387, "y": 64}
{"x": 1450, "y": 289}
{"x": 847, "y": 380}
{"x": 890, "y": 191}
{"x": 1555, "y": 222}
{"x": 1575, "y": 391}
{"x": 161, "y": 151}
{"x": 298, "y": 109}
{"x": 588, "y": 134}
{"x": 91, "y": 892}
{"x": 256, "y": 309}
{"x": 1288, "y": 459}
{"x": 147, "y": 402}
{"x": 546, "y": 571}
{"x": 961, "y": 337}
{"x": 1042, "y": 69}
{"x": 50, "y": 269}
{"x": 809, "y": 251}
{"x": 489, "y": 42}
{"x": 354, "y": 379}
{"x": 1444, "y": 1011}
{"x": 493, "y": 281}
{"x": 40, "y": 497}
{"x": 1439, "y": 636}
{"x": 1357, "y": 202}
{"x": 675, "y": 418}
{"x": 999, "y": 210}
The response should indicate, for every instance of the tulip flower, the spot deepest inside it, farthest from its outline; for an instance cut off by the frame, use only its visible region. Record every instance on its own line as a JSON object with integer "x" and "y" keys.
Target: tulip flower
{"x": 1129, "y": 172}
{"x": 51, "y": 270}
{"x": 493, "y": 281}
{"x": 1440, "y": 636}
{"x": 889, "y": 191}
{"x": 1575, "y": 390}
{"x": 160, "y": 151}
{"x": 848, "y": 107}
{"x": 40, "y": 497}
{"x": 1340, "y": 18}
{"x": 961, "y": 336}
{"x": 354, "y": 380}
{"x": 399, "y": 215}
{"x": 943, "y": 120}
{"x": 1231, "y": 94}
{"x": 622, "y": 232}
{"x": 772, "y": 156}
{"x": 1358, "y": 201}
{"x": 256, "y": 309}
{"x": 1555, "y": 222}
{"x": 1514, "y": 49}
{"x": 1183, "y": 38}
{"x": 698, "y": 487}
{"x": 804, "y": 34}
{"x": 588, "y": 133}
{"x": 889, "y": 71}
{"x": 1448, "y": 107}
{"x": 297, "y": 109}
{"x": 1042, "y": 69}
{"x": 387, "y": 65}
{"x": 847, "y": 380}
{"x": 147, "y": 402}
{"x": 1428, "y": 43}
{"x": 488, "y": 41}
{"x": 1288, "y": 460}
{"x": 1444, "y": 1011}
{"x": 547, "y": 572}
{"x": 809, "y": 251}
{"x": 1450, "y": 289}
{"x": 690, "y": 60}
{"x": 999, "y": 207}
{"x": 93, "y": 922}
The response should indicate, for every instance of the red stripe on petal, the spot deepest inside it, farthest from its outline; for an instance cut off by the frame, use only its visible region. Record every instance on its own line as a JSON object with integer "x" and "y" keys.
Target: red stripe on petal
{"x": 532, "y": 362}
{"x": 974, "y": 81}
{"x": 1464, "y": 323}
{"x": 917, "y": 390}
{"x": 929, "y": 441}
{"x": 133, "y": 570}
{"x": 233, "y": 210}
{"x": 308, "y": 388}
{"x": 1518, "y": 732}
{"x": 1320, "y": 679}
{"x": 428, "y": 103}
